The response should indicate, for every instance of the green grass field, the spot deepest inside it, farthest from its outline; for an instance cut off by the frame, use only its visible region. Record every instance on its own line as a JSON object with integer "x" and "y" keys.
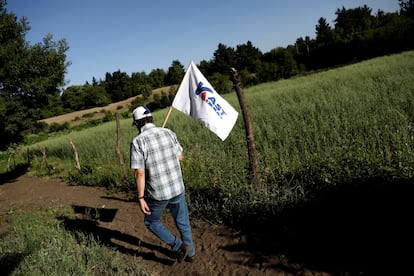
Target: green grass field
{"x": 312, "y": 133}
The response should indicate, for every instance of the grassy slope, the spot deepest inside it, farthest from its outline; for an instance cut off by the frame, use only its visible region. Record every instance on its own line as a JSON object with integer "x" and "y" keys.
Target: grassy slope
{"x": 311, "y": 132}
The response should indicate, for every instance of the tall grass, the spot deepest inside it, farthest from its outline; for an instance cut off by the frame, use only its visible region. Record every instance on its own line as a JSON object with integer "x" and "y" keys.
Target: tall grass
{"x": 363, "y": 110}
{"x": 312, "y": 133}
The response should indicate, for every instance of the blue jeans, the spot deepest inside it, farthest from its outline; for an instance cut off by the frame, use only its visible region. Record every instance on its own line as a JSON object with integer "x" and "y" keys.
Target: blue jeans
{"x": 179, "y": 210}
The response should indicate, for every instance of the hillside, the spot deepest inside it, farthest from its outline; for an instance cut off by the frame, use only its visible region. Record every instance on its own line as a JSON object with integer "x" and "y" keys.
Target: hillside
{"x": 98, "y": 112}
{"x": 93, "y": 113}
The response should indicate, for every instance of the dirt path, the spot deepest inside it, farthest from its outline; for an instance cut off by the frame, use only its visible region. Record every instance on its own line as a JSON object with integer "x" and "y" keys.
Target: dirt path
{"x": 219, "y": 250}
{"x": 366, "y": 229}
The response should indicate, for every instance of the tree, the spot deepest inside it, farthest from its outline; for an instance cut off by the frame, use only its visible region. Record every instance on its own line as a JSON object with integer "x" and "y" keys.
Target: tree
{"x": 53, "y": 108}
{"x": 139, "y": 78}
{"x": 224, "y": 59}
{"x": 118, "y": 85}
{"x": 157, "y": 78}
{"x": 351, "y": 22}
{"x": 94, "y": 82}
{"x": 221, "y": 83}
{"x": 407, "y": 8}
{"x": 303, "y": 45}
{"x": 248, "y": 57}
{"x": 281, "y": 62}
{"x": 175, "y": 73}
{"x": 323, "y": 32}
{"x": 95, "y": 96}
{"x": 73, "y": 98}
{"x": 206, "y": 67}
{"x": 30, "y": 75}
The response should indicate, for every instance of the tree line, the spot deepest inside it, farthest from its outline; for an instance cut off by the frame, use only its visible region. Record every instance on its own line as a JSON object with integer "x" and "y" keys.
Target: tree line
{"x": 32, "y": 76}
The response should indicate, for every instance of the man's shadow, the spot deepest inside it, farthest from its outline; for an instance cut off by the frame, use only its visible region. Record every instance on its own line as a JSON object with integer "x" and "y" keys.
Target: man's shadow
{"x": 89, "y": 224}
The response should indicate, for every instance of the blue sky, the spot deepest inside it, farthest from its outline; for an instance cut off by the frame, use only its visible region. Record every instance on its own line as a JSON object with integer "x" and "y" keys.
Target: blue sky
{"x": 139, "y": 36}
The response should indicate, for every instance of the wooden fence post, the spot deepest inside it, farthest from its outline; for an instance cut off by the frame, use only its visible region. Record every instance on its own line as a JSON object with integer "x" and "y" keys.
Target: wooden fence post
{"x": 251, "y": 147}
{"x": 118, "y": 148}
{"x": 77, "y": 164}
{"x": 44, "y": 158}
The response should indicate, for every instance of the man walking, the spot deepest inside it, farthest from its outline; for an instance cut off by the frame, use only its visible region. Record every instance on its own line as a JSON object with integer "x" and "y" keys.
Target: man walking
{"x": 155, "y": 157}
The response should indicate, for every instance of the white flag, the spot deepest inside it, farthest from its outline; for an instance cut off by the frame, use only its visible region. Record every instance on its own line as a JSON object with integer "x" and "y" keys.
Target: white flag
{"x": 198, "y": 99}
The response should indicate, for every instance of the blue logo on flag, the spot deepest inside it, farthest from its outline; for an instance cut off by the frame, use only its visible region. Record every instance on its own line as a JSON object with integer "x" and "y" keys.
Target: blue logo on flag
{"x": 203, "y": 91}
{"x": 211, "y": 101}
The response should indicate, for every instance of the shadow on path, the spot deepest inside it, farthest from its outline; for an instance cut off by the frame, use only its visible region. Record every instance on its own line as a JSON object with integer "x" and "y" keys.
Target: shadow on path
{"x": 113, "y": 238}
{"x": 362, "y": 227}
{"x": 101, "y": 214}
{"x": 12, "y": 175}
{"x": 10, "y": 261}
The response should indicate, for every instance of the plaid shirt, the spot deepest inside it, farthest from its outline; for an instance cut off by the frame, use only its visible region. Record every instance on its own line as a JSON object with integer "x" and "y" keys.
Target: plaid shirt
{"x": 156, "y": 149}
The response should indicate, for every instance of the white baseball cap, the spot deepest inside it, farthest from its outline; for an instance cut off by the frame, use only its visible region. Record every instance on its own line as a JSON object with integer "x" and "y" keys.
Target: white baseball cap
{"x": 141, "y": 112}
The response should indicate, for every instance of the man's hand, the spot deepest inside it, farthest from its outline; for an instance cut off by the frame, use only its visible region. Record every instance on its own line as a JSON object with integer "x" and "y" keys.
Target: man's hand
{"x": 144, "y": 206}
{"x": 140, "y": 182}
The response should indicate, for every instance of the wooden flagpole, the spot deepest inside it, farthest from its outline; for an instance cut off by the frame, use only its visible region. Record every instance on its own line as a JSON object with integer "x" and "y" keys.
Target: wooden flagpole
{"x": 166, "y": 117}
